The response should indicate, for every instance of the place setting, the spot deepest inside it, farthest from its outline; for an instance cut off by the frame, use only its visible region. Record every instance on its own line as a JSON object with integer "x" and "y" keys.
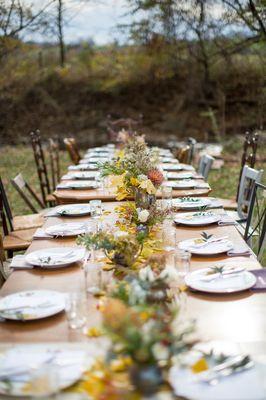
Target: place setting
{"x": 86, "y": 175}
{"x": 187, "y": 184}
{"x": 78, "y": 185}
{"x": 63, "y": 229}
{"x": 195, "y": 203}
{"x": 69, "y": 210}
{"x": 41, "y": 371}
{"x": 182, "y": 175}
{"x": 202, "y": 218}
{"x": 51, "y": 258}
{"x": 83, "y": 167}
{"x": 171, "y": 166}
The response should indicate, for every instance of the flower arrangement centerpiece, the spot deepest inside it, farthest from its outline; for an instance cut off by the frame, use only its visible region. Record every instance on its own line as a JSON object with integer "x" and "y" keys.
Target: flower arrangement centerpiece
{"x": 148, "y": 336}
{"x": 141, "y": 218}
{"x": 121, "y": 248}
{"x": 134, "y": 172}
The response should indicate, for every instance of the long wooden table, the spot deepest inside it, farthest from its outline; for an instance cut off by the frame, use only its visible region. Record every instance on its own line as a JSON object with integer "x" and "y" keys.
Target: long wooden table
{"x": 234, "y": 317}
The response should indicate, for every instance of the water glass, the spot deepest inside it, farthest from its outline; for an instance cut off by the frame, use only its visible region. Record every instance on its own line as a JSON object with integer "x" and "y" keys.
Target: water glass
{"x": 182, "y": 262}
{"x": 167, "y": 196}
{"x": 169, "y": 236}
{"x": 44, "y": 382}
{"x": 76, "y": 309}
{"x": 96, "y": 208}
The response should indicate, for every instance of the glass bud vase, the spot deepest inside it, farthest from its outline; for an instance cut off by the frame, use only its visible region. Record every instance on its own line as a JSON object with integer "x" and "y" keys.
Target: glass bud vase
{"x": 143, "y": 199}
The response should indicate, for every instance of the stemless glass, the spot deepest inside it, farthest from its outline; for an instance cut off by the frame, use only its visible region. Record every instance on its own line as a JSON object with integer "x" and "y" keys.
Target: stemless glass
{"x": 167, "y": 196}
{"x": 96, "y": 208}
{"x": 182, "y": 262}
{"x": 44, "y": 382}
{"x": 76, "y": 309}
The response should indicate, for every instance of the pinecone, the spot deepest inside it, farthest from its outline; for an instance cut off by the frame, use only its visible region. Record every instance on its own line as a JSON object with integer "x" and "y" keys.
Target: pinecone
{"x": 155, "y": 176}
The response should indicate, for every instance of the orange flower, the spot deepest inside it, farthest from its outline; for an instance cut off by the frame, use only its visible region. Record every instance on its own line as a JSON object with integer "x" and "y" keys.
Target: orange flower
{"x": 155, "y": 176}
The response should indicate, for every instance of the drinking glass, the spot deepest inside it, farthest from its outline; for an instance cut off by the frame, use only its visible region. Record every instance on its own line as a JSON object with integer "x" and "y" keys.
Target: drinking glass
{"x": 169, "y": 236}
{"x": 167, "y": 195}
{"x": 96, "y": 208}
{"x": 44, "y": 382}
{"x": 76, "y": 309}
{"x": 182, "y": 262}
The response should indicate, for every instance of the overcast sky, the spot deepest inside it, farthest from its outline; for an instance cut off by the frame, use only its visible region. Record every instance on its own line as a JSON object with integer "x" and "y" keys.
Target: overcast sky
{"x": 89, "y": 19}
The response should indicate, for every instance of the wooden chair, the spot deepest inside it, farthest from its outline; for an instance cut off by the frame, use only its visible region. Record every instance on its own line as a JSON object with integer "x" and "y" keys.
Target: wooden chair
{"x": 20, "y": 222}
{"x": 248, "y": 158}
{"x": 13, "y": 240}
{"x": 192, "y": 144}
{"x": 115, "y": 125}
{"x": 255, "y": 231}
{"x": 72, "y": 148}
{"x": 54, "y": 161}
{"x": 5, "y": 270}
{"x": 249, "y": 154}
{"x": 183, "y": 154}
{"x": 248, "y": 180}
{"x": 27, "y": 193}
{"x": 40, "y": 162}
{"x": 205, "y": 164}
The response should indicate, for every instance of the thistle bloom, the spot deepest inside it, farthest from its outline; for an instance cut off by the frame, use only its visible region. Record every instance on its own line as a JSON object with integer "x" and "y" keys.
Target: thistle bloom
{"x": 155, "y": 176}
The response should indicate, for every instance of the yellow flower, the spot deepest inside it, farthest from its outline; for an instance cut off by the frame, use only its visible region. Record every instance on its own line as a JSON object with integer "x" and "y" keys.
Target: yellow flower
{"x": 117, "y": 180}
{"x": 94, "y": 332}
{"x": 121, "y": 193}
{"x": 134, "y": 181}
{"x": 200, "y": 366}
{"x": 148, "y": 186}
{"x": 120, "y": 364}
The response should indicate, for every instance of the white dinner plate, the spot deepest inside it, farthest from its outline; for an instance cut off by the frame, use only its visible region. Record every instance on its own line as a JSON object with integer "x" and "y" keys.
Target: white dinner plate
{"x": 83, "y": 185}
{"x": 205, "y": 249}
{"x": 25, "y": 360}
{"x": 229, "y": 284}
{"x": 55, "y": 257}
{"x": 197, "y": 219}
{"x": 96, "y": 159}
{"x": 83, "y": 175}
{"x": 73, "y": 210}
{"x": 168, "y": 160}
{"x": 67, "y": 229}
{"x": 177, "y": 167}
{"x": 32, "y": 304}
{"x": 83, "y": 167}
{"x": 182, "y": 184}
{"x": 191, "y": 203}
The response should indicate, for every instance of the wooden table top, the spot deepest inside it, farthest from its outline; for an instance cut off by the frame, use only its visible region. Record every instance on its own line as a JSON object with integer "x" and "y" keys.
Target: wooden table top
{"x": 234, "y": 317}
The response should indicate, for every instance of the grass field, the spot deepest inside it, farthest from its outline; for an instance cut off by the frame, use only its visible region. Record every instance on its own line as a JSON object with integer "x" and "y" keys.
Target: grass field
{"x": 17, "y": 159}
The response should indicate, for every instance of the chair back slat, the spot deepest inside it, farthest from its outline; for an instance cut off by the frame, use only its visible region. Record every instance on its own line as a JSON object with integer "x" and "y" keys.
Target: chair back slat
{"x": 247, "y": 183}
{"x": 256, "y": 221}
{"x": 72, "y": 148}
{"x": 205, "y": 165}
{"x": 6, "y": 217}
{"x": 54, "y": 161}
{"x": 26, "y": 193}
{"x": 40, "y": 164}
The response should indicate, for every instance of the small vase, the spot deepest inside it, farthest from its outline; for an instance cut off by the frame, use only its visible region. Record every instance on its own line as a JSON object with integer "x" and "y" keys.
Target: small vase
{"x": 143, "y": 199}
{"x": 146, "y": 379}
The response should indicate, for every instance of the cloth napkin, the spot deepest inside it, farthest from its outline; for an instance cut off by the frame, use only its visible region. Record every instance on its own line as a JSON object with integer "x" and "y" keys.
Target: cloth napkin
{"x": 246, "y": 385}
{"x": 238, "y": 251}
{"x": 41, "y": 234}
{"x": 19, "y": 262}
{"x": 261, "y": 279}
{"x": 226, "y": 220}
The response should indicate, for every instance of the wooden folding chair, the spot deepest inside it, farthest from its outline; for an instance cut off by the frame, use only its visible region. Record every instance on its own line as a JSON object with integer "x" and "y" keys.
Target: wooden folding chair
{"x": 248, "y": 158}
{"x": 115, "y": 125}
{"x": 27, "y": 193}
{"x": 13, "y": 240}
{"x": 20, "y": 222}
{"x": 40, "y": 162}
{"x": 255, "y": 231}
{"x": 54, "y": 161}
{"x": 72, "y": 148}
{"x": 5, "y": 270}
{"x": 183, "y": 154}
{"x": 205, "y": 164}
